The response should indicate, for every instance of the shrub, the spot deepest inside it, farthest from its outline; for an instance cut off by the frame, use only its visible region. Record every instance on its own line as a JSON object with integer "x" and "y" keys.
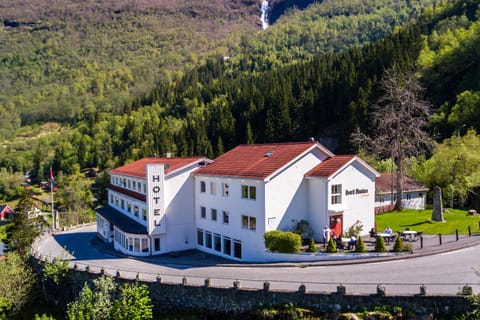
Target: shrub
{"x": 398, "y": 246}
{"x": 311, "y": 246}
{"x": 354, "y": 230}
{"x": 407, "y": 247}
{"x": 331, "y": 247}
{"x": 284, "y": 242}
{"x": 360, "y": 246}
{"x": 380, "y": 245}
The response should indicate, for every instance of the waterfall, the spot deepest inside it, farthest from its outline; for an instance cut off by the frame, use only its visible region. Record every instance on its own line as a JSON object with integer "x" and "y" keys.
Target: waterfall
{"x": 264, "y": 14}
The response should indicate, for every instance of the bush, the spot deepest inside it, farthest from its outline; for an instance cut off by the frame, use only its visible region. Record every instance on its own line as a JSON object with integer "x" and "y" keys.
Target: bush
{"x": 284, "y": 242}
{"x": 398, "y": 246}
{"x": 380, "y": 245}
{"x": 331, "y": 247}
{"x": 311, "y": 246}
{"x": 354, "y": 230}
{"x": 407, "y": 247}
{"x": 360, "y": 246}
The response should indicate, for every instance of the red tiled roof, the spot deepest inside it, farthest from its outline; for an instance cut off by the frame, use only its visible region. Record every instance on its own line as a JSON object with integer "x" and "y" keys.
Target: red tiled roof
{"x": 138, "y": 168}
{"x": 330, "y": 166}
{"x": 129, "y": 193}
{"x": 257, "y": 160}
{"x": 383, "y": 184}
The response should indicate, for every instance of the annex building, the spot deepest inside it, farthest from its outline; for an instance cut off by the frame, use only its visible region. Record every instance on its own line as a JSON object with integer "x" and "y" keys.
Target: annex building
{"x": 225, "y": 206}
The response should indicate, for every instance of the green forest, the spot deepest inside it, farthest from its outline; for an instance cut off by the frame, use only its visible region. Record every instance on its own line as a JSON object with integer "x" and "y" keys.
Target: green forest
{"x": 75, "y": 98}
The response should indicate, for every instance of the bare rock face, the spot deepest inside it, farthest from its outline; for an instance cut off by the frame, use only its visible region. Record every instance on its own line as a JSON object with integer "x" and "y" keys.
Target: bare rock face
{"x": 437, "y": 214}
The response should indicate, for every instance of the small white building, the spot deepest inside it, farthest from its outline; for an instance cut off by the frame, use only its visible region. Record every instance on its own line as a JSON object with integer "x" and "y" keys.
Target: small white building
{"x": 225, "y": 207}
{"x": 414, "y": 193}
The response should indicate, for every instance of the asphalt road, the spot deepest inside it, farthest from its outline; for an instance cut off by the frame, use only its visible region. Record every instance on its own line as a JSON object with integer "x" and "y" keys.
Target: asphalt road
{"x": 443, "y": 273}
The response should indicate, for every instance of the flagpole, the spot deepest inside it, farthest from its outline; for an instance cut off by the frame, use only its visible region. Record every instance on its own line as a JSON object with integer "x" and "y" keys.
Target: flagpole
{"x": 54, "y": 222}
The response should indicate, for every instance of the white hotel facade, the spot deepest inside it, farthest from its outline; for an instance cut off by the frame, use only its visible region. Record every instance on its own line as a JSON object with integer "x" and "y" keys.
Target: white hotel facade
{"x": 225, "y": 206}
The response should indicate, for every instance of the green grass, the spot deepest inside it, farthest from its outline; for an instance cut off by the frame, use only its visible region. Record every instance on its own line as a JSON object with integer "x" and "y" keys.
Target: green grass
{"x": 420, "y": 220}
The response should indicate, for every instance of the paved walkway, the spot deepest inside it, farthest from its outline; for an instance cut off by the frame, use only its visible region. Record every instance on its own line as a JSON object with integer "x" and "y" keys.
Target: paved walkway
{"x": 83, "y": 245}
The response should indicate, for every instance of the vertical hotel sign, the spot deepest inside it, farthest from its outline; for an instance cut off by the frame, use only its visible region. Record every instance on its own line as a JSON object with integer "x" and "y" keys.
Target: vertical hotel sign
{"x": 155, "y": 198}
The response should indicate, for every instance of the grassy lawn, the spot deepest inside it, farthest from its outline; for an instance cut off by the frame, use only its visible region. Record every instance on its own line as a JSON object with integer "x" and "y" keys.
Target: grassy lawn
{"x": 419, "y": 220}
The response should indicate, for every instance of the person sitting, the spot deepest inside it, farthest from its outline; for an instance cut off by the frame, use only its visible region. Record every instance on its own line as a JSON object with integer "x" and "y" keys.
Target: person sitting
{"x": 372, "y": 232}
{"x": 352, "y": 242}
{"x": 388, "y": 230}
{"x": 338, "y": 242}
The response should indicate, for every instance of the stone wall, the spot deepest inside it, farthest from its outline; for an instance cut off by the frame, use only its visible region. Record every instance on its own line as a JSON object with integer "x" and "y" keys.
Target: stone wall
{"x": 235, "y": 300}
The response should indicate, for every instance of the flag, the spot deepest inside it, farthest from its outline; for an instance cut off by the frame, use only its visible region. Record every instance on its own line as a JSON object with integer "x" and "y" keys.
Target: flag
{"x": 51, "y": 175}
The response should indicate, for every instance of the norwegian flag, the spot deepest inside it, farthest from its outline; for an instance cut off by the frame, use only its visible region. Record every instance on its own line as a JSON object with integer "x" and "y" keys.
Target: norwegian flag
{"x": 51, "y": 176}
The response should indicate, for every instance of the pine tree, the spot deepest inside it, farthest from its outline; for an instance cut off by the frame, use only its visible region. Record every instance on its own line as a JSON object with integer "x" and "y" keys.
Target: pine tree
{"x": 398, "y": 246}
{"x": 380, "y": 245}
{"x": 311, "y": 246}
{"x": 360, "y": 246}
{"x": 331, "y": 247}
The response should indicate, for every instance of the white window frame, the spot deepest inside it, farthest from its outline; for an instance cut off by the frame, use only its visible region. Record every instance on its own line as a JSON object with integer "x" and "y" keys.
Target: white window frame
{"x": 336, "y": 194}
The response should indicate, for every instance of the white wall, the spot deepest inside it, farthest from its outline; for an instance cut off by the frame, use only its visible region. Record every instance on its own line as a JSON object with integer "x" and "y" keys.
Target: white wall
{"x": 317, "y": 206}
{"x": 179, "y": 210}
{"x": 236, "y": 207}
{"x": 357, "y": 206}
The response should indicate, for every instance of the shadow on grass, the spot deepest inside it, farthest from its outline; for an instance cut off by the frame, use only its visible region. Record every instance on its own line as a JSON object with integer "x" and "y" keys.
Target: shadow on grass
{"x": 416, "y": 224}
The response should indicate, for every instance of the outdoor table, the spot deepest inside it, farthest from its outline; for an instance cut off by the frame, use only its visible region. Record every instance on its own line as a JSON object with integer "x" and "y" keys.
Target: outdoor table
{"x": 410, "y": 234}
{"x": 386, "y": 236}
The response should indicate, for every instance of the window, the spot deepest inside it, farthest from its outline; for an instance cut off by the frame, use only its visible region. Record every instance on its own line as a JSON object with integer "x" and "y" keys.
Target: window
{"x": 111, "y": 198}
{"x": 227, "y": 246}
{"x": 226, "y": 217}
{"x": 249, "y": 192}
{"x": 134, "y": 185}
{"x": 144, "y": 245}
{"x": 217, "y": 242}
{"x": 336, "y": 194}
{"x": 214, "y": 214}
{"x": 116, "y": 201}
{"x": 135, "y": 211}
{"x": 144, "y": 188}
{"x": 139, "y": 187}
{"x": 129, "y": 207}
{"x": 157, "y": 244}
{"x": 124, "y": 182}
{"x": 144, "y": 214}
{"x": 129, "y": 184}
{"x": 200, "y": 237}
{"x": 249, "y": 223}
{"x": 225, "y": 189}
{"x": 237, "y": 249}
{"x": 122, "y": 204}
{"x": 213, "y": 188}
{"x": 203, "y": 212}
{"x": 203, "y": 186}
{"x": 208, "y": 239}
{"x": 409, "y": 196}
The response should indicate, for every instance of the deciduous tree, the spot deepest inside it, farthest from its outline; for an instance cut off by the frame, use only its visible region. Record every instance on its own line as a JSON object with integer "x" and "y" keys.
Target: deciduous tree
{"x": 399, "y": 120}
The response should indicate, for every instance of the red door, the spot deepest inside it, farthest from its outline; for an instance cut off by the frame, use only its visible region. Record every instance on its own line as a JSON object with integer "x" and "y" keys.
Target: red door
{"x": 336, "y": 223}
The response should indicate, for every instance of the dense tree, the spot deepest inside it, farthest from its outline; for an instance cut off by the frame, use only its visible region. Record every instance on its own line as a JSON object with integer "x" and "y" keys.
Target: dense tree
{"x": 454, "y": 167}
{"x": 133, "y": 304}
{"x": 23, "y": 230}
{"x": 16, "y": 282}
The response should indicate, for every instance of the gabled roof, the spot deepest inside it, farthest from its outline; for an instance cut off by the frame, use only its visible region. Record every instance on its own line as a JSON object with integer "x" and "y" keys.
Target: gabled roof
{"x": 138, "y": 168}
{"x": 258, "y": 160}
{"x": 332, "y": 165}
{"x": 383, "y": 184}
{"x": 4, "y": 206}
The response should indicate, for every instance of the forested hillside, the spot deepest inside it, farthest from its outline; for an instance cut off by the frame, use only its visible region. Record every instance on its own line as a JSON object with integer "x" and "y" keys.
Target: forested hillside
{"x": 58, "y": 58}
{"x": 244, "y": 99}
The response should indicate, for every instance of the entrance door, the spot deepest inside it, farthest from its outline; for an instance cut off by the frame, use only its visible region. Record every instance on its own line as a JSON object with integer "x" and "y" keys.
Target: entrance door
{"x": 336, "y": 224}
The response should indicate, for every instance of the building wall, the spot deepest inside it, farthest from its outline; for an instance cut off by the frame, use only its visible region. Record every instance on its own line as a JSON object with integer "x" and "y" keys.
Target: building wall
{"x": 250, "y": 236}
{"x": 411, "y": 199}
{"x": 179, "y": 208}
{"x": 357, "y": 199}
{"x": 287, "y": 193}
